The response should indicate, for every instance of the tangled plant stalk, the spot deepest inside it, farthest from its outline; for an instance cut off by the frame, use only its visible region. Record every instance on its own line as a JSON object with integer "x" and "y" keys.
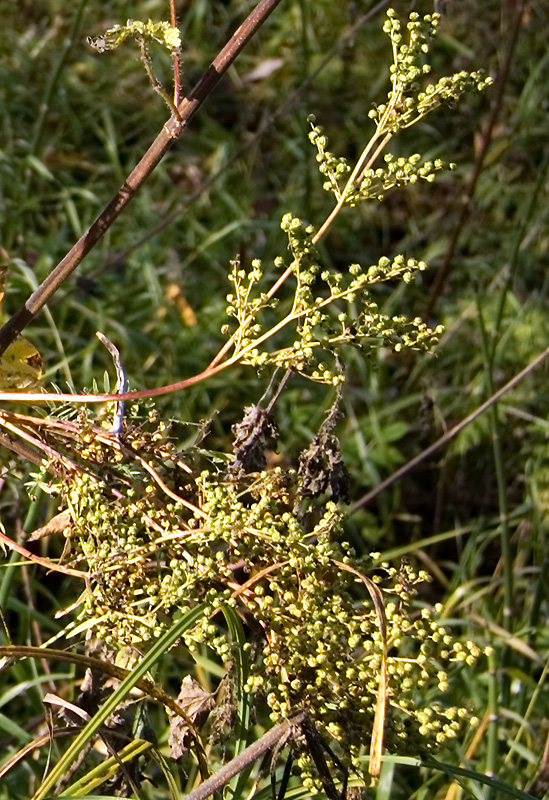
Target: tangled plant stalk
{"x": 326, "y": 630}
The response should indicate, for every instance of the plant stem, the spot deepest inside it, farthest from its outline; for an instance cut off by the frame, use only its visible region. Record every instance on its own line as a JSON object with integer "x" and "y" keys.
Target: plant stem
{"x": 157, "y": 86}
{"x": 505, "y": 534}
{"x": 451, "y": 434}
{"x": 492, "y": 738}
{"x": 358, "y": 170}
{"x": 244, "y": 759}
{"x": 175, "y": 59}
{"x": 170, "y": 132}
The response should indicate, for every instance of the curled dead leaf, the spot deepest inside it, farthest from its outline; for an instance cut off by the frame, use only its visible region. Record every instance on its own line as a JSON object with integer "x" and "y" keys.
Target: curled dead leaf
{"x": 57, "y": 524}
{"x": 197, "y": 704}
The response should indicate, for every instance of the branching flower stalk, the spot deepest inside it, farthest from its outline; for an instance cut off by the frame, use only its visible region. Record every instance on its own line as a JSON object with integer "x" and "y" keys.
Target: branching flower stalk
{"x": 163, "y": 32}
{"x": 405, "y": 106}
{"x": 333, "y": 633}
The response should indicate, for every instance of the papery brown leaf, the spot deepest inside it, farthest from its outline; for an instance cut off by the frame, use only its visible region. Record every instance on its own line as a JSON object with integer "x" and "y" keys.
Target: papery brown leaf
{"x": 197, "y": 704}
{"x": 57, "y": 524}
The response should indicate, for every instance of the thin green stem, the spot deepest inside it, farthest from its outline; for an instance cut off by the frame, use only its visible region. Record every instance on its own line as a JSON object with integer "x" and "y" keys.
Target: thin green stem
{"x": 492, "y": 738}
{"x": 54, "y": 77}
{"x": 157, "y": 86}
{"x": 505, "y": 534}
{"x": 501, "y": 482}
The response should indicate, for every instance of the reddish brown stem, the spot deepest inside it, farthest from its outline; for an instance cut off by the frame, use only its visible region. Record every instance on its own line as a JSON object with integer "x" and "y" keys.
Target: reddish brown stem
{"x": 175, "y": 60}
{"x": 44, "y": 562}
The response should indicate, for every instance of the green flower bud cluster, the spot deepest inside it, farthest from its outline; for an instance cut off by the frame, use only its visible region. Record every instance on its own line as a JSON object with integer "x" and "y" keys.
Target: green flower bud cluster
{"x": 300, "y": 244}
{"x": 243, "y": 305}
{"x": 409, "y": 56}
{"x": 447, "y": 90}
{"x": 328, "y": 164}
{"x": 161, "y": 32}
{"x": 279, "y": 559}
{"x": 323, "y": 648}
{"x": 328, "y": 310}
{"x": 143, "y": 32}
{"x": 373, "y": 183}
{"x": 399, "y": 172}
{"x": 407, "y": 102}
{"x": 116, "y": 534}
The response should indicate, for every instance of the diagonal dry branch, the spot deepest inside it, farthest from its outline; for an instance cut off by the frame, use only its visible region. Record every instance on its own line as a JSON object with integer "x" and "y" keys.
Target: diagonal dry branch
{"x": 447, "y": 437}
{"x": 217, "y": 781}
{"x": 169, "y": 133}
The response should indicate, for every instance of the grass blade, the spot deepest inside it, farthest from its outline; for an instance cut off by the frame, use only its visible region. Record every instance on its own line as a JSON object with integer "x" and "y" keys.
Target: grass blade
{"x": 110, "y": 706}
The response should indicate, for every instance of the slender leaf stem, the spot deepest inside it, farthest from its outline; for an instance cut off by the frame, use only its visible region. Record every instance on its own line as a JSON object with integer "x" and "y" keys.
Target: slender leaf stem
{"x": 110, "y": 706}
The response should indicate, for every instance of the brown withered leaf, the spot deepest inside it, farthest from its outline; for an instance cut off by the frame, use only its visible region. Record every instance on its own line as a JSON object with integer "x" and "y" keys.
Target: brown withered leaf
{"x": 321, "y": 468}
{"x": 251, "y": 437}
{"x": 57, "y": 524}
{"x": 197, "y": 704}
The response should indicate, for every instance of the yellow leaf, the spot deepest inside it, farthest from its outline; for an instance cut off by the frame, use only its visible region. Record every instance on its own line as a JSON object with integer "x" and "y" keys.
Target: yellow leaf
{"x": 20, "y": 367}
